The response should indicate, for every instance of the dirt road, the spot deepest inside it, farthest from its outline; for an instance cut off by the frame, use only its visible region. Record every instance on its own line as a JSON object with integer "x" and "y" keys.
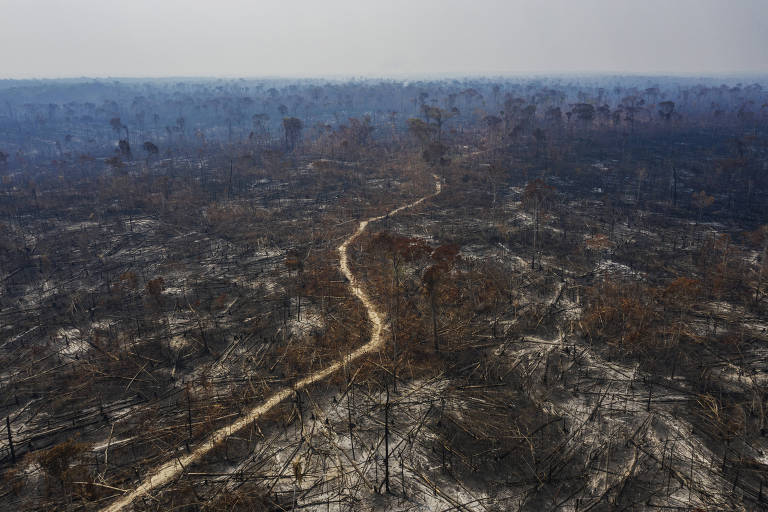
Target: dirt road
{"x": 173, "y": 468}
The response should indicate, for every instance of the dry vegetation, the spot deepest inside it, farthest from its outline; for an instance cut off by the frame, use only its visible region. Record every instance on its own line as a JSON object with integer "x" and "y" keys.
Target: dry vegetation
{"x": 577, "y": 321}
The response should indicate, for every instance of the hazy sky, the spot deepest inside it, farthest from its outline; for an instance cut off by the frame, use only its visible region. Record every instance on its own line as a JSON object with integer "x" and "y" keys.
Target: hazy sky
{"x": 53, "y": 38}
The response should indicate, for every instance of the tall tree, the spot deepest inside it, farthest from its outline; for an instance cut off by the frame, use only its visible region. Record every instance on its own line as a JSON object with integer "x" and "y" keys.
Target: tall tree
{"x": 292, "y": 127}
{"x": 535, "y": 196}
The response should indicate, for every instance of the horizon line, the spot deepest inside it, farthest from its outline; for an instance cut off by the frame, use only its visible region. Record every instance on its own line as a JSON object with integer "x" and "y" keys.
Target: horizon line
{"x": 406, "y": 76}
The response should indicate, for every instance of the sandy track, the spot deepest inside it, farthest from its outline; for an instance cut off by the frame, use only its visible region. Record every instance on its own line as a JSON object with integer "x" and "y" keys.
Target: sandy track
{"x": 174, "y": 468}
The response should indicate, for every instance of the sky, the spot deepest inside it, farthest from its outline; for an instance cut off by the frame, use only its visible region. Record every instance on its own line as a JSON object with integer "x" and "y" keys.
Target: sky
{"x": 379, "y": 38}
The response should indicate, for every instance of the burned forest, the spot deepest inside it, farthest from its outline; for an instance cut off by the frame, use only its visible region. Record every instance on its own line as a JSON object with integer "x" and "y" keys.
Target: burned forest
{"x": 470, "y": 294}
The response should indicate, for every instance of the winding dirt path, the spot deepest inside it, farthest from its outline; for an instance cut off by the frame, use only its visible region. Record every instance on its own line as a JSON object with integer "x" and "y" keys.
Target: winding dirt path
{"x": 174, "y": 468}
